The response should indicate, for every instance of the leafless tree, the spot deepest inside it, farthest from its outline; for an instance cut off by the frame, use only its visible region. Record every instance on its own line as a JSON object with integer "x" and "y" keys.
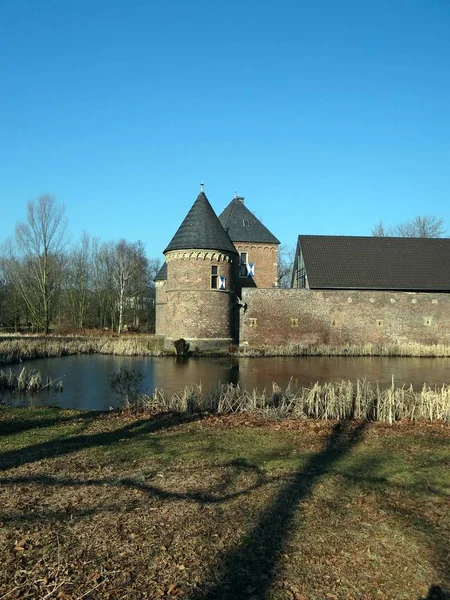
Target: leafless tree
{"x": 33, "y": 262}
{"x": 130, "y": 268}
{"x": 286, "y": 256}
{"x": 427, "y": 226}
{"x": 78, "y": 282}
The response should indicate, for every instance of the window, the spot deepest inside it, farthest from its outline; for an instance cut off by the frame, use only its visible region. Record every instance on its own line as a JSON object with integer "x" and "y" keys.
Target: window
{"x": 243, "y": 264}
{"x": 253, "y": 322}
{"x": 246, "y": 223}
{"x": 294, "y": 322}
{"x": 214, "y": 277}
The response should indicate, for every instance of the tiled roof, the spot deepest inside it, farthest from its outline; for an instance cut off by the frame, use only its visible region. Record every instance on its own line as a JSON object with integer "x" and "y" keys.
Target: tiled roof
{"x": 161, "y": 275}
{"x": 201, "y": 229}
{"x": 378, "y": 263}
{"x": 242, "y": 225}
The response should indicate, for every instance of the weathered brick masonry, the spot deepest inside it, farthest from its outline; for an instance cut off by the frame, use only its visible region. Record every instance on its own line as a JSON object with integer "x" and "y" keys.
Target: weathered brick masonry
{"x": 280, "y": 316}
{"x": 265, "y": 258}
{"x": 193, "y": 310}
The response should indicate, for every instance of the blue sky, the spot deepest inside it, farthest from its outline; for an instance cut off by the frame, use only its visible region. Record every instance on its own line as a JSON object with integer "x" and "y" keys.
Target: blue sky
{"x": 326, "y": 115}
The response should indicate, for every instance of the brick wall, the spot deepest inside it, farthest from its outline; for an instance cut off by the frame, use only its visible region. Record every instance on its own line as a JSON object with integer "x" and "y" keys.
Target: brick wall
{"x": 265, "y": 258}
{"x": 275, "y": 317}
{"x": 194, "y": 310}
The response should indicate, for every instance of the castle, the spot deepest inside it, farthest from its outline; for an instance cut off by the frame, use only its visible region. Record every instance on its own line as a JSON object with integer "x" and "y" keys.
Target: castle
{"x": 218, "y": 286}
{"x": 209, "y": 261}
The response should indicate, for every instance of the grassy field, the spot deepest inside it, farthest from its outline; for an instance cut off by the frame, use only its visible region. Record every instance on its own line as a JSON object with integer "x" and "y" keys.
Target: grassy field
{"x": 116, "y": 505}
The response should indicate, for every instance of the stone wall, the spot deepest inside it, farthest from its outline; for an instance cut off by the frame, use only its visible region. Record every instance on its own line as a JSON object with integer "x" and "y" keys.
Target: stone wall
{"x": 160, "y": 307}
{"x": 279, "y": 316}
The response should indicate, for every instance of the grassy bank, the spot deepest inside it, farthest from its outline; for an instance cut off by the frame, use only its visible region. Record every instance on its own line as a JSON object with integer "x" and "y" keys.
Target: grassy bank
{"x": 19, "y": 348}
{"x": 411, "y": 349}
{"x": 14, "y": 349}
{"x": 235, "y": 507}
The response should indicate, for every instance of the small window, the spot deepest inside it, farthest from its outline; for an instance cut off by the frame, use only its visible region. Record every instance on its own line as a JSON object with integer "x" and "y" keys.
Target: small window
{"x": 246, "y": 223}
{"x": 243, "y": 260}
{"x": 214, "y": 277}
{"x": 253, "y": 322}
{"x": 294, "y": 322}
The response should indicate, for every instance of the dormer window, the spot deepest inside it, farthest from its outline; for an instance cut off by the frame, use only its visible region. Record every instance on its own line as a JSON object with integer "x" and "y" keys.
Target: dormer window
{"x": 246, "y": 223}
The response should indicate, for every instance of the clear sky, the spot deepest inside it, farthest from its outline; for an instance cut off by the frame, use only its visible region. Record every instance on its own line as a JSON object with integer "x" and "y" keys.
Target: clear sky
{"x": 327, "y": 115}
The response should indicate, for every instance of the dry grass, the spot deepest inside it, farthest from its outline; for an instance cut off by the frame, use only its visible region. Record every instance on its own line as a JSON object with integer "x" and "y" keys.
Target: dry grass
{"x": 14, "y": 349}
{"x": 232, "y": 507}
{"x": 27, "y": 381}
{"x": 339, "y": 401}
{"x": 411, "y": 349}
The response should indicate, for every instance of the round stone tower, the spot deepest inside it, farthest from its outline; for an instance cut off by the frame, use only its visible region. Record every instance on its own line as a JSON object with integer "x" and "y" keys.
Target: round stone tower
{"x": 201, "y": 270}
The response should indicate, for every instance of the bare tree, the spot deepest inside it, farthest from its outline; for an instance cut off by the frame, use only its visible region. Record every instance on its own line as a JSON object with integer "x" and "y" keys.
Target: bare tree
{"x": 78, "y": 292}
{"x": 34, "y": 260}
{"x": 286, "y": 256}
{"x": 129, "y": 269}
{"x": 428, "y": 226}
{"x": 102, "y": 283}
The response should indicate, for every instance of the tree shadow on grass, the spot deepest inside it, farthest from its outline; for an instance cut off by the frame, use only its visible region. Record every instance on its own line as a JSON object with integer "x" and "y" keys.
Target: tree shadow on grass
{"x": 210, "y": 495}
{"x": 63, "y": 446}
{"x": 29, "y": 421}
{"x": 251, "y": 565}
{"x": 437, "y": 593}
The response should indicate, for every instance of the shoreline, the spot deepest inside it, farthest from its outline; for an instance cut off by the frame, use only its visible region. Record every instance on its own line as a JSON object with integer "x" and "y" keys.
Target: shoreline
{"x": 19, "y": 348}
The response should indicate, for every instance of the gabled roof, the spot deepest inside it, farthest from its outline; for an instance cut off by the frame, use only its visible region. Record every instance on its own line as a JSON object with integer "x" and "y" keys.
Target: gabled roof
{"x": 377, "y": 263}
{"x": 242, "y": 225}
{"x": 201, "y": 229}
{"x": 161, "y": 275}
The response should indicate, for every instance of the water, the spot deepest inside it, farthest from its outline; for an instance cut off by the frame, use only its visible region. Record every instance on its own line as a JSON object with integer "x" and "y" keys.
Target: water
{"x": 86, "y": 378}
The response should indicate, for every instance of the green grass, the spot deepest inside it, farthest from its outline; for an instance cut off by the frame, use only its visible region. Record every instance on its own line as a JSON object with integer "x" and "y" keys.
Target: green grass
{"x": 113, "y": 505}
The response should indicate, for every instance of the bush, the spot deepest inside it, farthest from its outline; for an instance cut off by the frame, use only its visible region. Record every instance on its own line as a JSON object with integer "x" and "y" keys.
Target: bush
{"x": 125, "y": 384}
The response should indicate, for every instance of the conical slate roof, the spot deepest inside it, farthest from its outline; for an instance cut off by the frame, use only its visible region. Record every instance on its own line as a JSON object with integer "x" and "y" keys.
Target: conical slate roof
{"x": 201, "y": 229}
{"x": 242, "y": 225}
{"x": 161, "y": 275}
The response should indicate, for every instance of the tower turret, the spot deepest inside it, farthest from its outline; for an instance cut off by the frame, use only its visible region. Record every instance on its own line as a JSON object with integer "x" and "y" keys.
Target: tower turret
{"x": 201, "y": 261}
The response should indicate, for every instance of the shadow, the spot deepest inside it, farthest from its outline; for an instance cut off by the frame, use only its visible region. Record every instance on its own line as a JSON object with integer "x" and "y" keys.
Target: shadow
{"x": 436, "y": 593}
{"x": 251, "y": 565}
{"x": 213, "y": 496}
{"x": 67, "y": 445}
{"x": 19, "y": 425}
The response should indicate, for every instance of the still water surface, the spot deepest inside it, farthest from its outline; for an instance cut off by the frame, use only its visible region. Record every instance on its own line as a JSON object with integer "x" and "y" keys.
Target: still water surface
{"x": 87, "y": 378}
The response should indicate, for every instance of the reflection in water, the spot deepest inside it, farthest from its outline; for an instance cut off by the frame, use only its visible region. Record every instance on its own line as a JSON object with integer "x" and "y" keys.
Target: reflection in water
{"x": 87, "y": 378}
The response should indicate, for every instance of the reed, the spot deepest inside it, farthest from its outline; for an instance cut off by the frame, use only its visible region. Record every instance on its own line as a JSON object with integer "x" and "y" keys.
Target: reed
{"x": 411, "y": 349}
{"x": 17, "y": 349}
{"x": 27, "y": 382}
{"x": 342, "y": 400}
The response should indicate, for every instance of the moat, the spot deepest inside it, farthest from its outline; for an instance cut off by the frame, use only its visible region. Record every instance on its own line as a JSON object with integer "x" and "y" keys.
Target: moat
{"x": 86, "y": 378}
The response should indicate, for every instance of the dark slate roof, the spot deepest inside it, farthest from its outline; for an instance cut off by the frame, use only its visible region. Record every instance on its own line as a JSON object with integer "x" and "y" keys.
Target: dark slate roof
{"x": 161, "y": 275}
{"x": 378, "y": 263}
{"x": 201, "y": 229}
{"x": 233, "y": 218}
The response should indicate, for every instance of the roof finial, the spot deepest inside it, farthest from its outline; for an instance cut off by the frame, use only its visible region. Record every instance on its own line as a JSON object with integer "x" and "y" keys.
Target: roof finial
{"x": 202, "y": 185}
{"x": 235, "y": 193}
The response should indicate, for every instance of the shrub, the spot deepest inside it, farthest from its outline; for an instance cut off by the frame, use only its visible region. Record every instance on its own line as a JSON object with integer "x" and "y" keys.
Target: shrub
{"x": 125, "y": 384}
